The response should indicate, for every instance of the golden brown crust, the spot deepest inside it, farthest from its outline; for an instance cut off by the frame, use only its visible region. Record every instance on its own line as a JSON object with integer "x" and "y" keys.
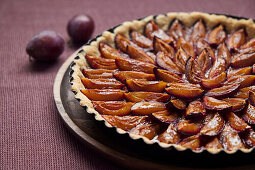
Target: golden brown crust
{"x": 163, "y": 21}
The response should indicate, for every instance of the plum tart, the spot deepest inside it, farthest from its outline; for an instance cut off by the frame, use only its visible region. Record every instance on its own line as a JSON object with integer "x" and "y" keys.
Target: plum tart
{"x": 185, "y": 80}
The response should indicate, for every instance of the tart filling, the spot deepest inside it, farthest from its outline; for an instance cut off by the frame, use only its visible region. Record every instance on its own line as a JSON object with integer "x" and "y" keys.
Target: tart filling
{"x": 182, "y": 79}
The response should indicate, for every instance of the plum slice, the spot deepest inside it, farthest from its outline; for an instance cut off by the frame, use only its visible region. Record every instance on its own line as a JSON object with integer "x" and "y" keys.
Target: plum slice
{"x": 237, "y": 104}
{"x": 244, "y": 81}
{"x": 122, "y": 42}
{"x": 146, "y": 96}
{"x": 249, "y": 114}
{"x": 104, "y": 94}
{"x": 117, "y": 108}
{"x": 218, "y": 67}
{"x": 198, "y": 31}
{"x": 170, "y": 136}
{"x": 244, "y": 59}
{"x": 139, "y": 54}
{"x": 124, "y": 75}
{"x": 125, "y": 122}
{"x": 236, "y": 39}
{"x": 188, "y": 127}
{"x": 193, "y": 71}
{"x": 143, "y": 85}
{"x": 195, "y": 109}
{"x": 108, "y": 52}
{"x": 214, "y": 126}
{"x": 160, "y": 45}
{"x": 236, "y": 122}
{"x": 250, "y": 138}
{"x": 186, "y": 46}
{"x": 180, "y": 59}
{"x": 204, "y": 61}
{"x": 101, "y": 83}
{"x": 215, "y": 104}
{"x": 97, "y": 73}
{"x": 178, "y": 104}
{"x": 184, "y": 90}
{"x": 148, "y": 130}
{"x": 166, "y": 116}
{"x": 201, "y": 45}
{"x": 141, "y": 40}
{"x": 239, "y": 72}
{"x": 224, "y": 53}
{"x": 223, "y": 91}
{"x": 252, "y": 98}
{"x": 134, "y": 65}
{"x": 166, "y": 62}
{"x": 217, "y": 35}
{"x": 176, "y": 30}
{"x": 101, "y": 63}
{"x": 244, "y": 92}
{"x": 146, "y": 108}
{"x": 249, "y": 44}
{"x": 167, "y": 76}
{"x": 214, "y": 144}
{"x": 192, "y": 142}
{"x": 152, "y": 30}
{"x": 214, "y": 82}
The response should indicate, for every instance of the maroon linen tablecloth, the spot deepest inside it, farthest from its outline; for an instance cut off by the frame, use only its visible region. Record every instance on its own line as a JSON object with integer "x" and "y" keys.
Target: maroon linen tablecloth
{"x": 32, "y": 135}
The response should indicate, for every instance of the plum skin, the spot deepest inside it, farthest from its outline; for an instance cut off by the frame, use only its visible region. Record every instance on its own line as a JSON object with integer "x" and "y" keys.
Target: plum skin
{"x": 80, "y": 28}
{"x": 46, "y": 46}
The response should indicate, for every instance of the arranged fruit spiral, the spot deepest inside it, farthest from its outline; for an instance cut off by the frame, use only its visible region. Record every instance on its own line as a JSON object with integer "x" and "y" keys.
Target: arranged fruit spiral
{"x": 190, "y": 86}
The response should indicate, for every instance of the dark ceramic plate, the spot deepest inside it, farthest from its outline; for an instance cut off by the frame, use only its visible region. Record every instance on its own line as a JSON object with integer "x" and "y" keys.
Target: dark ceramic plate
{"x": 128, "y": 152}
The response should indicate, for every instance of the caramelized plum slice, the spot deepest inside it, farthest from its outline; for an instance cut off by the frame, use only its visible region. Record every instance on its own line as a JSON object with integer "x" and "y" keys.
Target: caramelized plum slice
{"x": 139, "y": 54}
{"x": 101, "y": 83}
{"x": 125, "y": 122}
{"x": 101, "y": 63}
{"x": 97, "y": 73}
{"x": 146, "y": 96}
{"x": 249, "y": 114}
{"x": 252, "y": 98}
{"x": 237, "y": 104}
{"x": 187, "y": 127}
{"x": 143, "y": 85}
{"x": 104, "y": 94}
{"x": 149, "y": 131}
{"x": 184, "y": 90}
{"x": 179, "y": 104}
{"x": 193, "y": 71}
{"x": 250, "y": 138}
{"x": 146, "y": 108}
{"x": 160, "y": 45}
{"x": 223, "y": 91}
{"x": 166, "y": 116}
{"x": 141, "y": 40}
{"x": 214, "y": 126}
{"x": 214, "y": 82}
{"x": 224, "y": 53}
{"x": 249, "y": 44}
{"x": 244, "y": 81}
{"x": 134, "y": 65}
{"x": 122, "y": 42}
{"x": 170, "y": 136}
{"x": 166, "y": 62}
{"x": 244, "y": 92}
{"x": 124, "y": 75}
{"x": 215, "y": 104}
{"x": 176, "y": 30}
{"x": 201, "y": 45}
{"x": 236, "y": 39}
{"x": 214, "y": 144}
{"x": 231, "y": 141}
{"x": 180, "y": 59}
{"x": 152, "y": 30}
{"x": 109, "y": 52}
{"x": 198, "y": 31}
{"x": 168, "y": 76}
{"x": 217, "y": 35}
{"x": 244, "y": 59}
{"x": 237, "y": 123}
{"x": 117, "y": 108}
{"x": 186, "y": 46}
{"x": 218, "y": 67}
{"x": 192, "y": 142}
{"x": 195, "y": 109}
{"x": 239, "y": 72}
{"x": 204, "y": 61}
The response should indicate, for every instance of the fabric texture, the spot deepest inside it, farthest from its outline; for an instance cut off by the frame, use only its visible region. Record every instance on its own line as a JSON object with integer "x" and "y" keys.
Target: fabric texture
{"x": 32, "y": 135}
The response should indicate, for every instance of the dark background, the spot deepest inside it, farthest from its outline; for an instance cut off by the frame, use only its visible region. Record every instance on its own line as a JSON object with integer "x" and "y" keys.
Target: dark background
{"x": 32, "y": 135}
